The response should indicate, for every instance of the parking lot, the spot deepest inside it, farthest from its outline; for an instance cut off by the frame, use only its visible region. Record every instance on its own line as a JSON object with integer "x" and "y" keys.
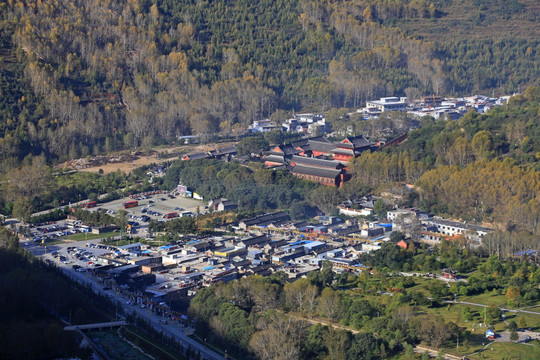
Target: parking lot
{"x": 160, "y": 203}
{"x": 54, "y": 231}
{"x": 83, "y": 256}
{"x": 151, "y": 207}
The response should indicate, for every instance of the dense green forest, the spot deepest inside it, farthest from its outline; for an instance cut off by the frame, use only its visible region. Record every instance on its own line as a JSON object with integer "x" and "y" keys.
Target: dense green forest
{"x": 83, "y": 77}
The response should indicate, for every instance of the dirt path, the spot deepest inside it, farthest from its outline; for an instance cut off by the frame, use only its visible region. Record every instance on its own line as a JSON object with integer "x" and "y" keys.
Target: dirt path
{"x": 126, "y": 162}
{"x": 127, "y": 166}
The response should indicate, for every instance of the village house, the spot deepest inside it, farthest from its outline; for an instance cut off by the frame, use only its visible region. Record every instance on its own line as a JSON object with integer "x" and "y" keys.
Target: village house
{"x": 361, "y": 211}
{"x": 264, "y": 220}
{"x": 306, "y": 123}
{"x": 453, "y": 228}
{"x": 261, "y": 126}
{"x": 221, "y": 204}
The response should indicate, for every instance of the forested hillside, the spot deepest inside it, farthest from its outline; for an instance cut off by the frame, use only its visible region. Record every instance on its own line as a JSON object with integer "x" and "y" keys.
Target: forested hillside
{"x": 82, "y": 77}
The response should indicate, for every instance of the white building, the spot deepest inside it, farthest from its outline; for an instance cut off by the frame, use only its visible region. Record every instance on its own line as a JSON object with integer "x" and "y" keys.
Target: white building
{"x": 388, "y": 104}
{"x": 355, "y": 212}
{"x": 394, "y": 214}
{"x": 452, "y": 228}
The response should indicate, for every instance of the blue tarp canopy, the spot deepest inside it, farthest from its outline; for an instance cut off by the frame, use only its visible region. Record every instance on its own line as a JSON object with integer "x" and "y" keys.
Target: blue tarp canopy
{"x": 526, "y": 252}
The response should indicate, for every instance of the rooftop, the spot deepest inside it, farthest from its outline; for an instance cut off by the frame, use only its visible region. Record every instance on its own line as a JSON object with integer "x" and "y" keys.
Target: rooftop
{"x": 461, "y": 225}
{"x": 314, "y": 162}
{"x": 307, "y": 170}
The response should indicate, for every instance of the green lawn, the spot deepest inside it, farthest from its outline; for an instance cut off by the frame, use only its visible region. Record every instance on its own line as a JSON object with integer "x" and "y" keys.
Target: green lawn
{"x": 500, "y": 351}
{"x": 421, "y": 285}
{"x": 454, "y": 313}
{"x": 487, "y": 298}
{"x": 90, "y": 236}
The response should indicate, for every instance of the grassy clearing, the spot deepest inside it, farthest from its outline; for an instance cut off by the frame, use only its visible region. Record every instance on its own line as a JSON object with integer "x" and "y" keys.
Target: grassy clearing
{"x": 487, "y": 298}
{"x": 500, "y": 351}
{"x": 90, "y": 236}
{"x": 454, "y": 313}
{"x": 76, "y": 179}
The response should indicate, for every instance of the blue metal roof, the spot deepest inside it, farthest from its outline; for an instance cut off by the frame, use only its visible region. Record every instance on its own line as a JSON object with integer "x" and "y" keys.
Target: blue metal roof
{"x": 297, "y": 242}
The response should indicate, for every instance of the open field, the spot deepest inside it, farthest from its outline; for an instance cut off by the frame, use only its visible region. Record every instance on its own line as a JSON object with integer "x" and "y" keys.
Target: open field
{"x": 127, "y": 166}
{"x": 90, "y": 236}
{"x": 500, "y": 351}
{"x": 487, "y": 298}
{"x": 128, "y": 162}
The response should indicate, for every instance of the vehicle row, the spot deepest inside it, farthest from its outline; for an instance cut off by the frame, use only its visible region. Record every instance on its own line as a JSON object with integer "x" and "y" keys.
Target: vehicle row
{"x": 150, "y": 212}
{"x": 53, "y": 228}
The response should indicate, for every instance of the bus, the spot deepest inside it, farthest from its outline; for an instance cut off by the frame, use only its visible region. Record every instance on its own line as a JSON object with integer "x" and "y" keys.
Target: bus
{"x": 130, "y": 204}
{"x": 90, "y": 204}
{"x": 170, "y": 215}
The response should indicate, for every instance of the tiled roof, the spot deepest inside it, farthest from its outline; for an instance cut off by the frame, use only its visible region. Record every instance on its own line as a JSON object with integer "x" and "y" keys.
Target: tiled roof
{"x": 280, "y": 159}
{"x": 314, "y": 162}
{"x": 196, "y": 156}
{"x": 313, "y": 171}
{"x": 355, "y": 142}
{"x": 321, "y": 146}
{"x": 266, "y": 218}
